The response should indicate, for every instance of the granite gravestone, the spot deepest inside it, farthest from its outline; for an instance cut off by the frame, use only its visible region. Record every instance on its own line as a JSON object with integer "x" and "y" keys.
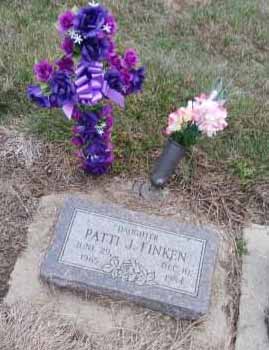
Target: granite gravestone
{"x": 108, "y": 250}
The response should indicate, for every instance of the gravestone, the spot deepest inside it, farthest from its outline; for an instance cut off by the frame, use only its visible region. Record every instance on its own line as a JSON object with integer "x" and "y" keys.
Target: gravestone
{"x": 105, "y": 249}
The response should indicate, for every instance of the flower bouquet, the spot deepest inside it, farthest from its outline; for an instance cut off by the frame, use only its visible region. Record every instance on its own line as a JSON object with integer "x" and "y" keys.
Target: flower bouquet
{"x": 84, "y": 82}
{"x": 205, "y": 115}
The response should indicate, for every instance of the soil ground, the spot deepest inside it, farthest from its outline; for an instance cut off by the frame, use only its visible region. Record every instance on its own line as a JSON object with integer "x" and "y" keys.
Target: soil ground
{"x": 30, "y": 170}
{"x": 99, "y": 317}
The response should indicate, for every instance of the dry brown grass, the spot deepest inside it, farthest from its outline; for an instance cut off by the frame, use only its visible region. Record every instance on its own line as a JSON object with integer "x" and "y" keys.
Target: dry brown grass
{"x": 40, "y": 167}
{"x": 262, "y": 192}
{"x": 212, "y": 192}
{"x": 26, "y": 327}
{"x": 15, "y": 215}
{"x": 22, "y": 327}
{"x": 49, "y": 169}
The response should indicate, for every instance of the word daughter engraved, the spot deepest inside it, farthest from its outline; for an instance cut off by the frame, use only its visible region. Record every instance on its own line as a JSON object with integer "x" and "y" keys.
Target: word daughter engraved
{"x": 125, "y": 253}
{"x": 108, "y": 250}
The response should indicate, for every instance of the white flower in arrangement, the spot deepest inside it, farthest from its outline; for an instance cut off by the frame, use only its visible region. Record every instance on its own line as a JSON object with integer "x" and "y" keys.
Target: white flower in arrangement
{"x": 100, "y": 132}
{"x": 107, "y": 28}
{"x": 75, "y": 36}
{"x": 93, "y": 4}
{"x": 72, "y": 33}
{"x": 78, "y": 39}
{"x": 100, "y": 128}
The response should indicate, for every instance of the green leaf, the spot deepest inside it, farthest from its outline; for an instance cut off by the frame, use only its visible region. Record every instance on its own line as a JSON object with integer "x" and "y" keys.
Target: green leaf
{"x": 188, "y": 136}
{"x": 77, "y": 52}
{"x": 45, "y": 88}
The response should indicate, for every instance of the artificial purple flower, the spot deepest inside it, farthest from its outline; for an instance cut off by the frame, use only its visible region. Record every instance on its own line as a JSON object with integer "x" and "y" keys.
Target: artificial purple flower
{"x": 113, "y": 78}
{"x": 111, "y": 48}
{"x": 106, "y": 122}
{"x": 130, "y": 58}
{"x": 110, "y": 26}
{"x": 54, "y": 101}
{"x": 78, "y": 129}
{"x": 86, "y": 126}
{"x": 90, "y": 118}
{"x": 88, "y": 34}
{"x": 92, "y": 135}
{"x": 35, "y": 95}
{"x": 115, "y": 61}
{"x": 77, "y": 141}
{"x": 66, "y": 64}
{"x": 138, "y": 77}
{"x": 90, "y": 20}
{"x": 43, "y": 71}
{"x": 107, "y": 114}
{"x": 65, "y": 21}
{"x": 67, "y": 45}
{"x": 95, "y": 49}
{"x": 62, "y": 88}
{"x": 126, "y": 77}
{"x": 98, "y": 158}
{"x": 107, "y": 136}
{"x": 76, "y": 114}
{"x": 109, "y": 121}
{"x": 107, "y": 111}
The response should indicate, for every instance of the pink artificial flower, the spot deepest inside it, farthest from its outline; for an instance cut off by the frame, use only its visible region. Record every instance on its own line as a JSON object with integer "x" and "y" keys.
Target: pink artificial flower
{"x": 177, "y": 119}
{"x": 201, "y": 98}
{"x": 43, "y": 71}
{"x": 209, "y": 115}
{"x": 65, "y": 21}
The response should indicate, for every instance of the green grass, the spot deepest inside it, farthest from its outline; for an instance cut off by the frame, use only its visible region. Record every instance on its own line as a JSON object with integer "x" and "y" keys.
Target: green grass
{"x": 184, "y": 53}
{"x": 241, "y": 246}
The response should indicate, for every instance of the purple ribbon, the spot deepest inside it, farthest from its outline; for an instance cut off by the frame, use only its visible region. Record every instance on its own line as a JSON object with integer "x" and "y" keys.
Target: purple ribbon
{"x": 89, "y": 83}
{"x": 92, "y": 86}
{"x": 112, "y": 94}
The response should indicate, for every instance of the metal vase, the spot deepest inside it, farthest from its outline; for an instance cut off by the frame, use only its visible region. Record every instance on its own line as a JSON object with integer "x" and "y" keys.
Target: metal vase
{"x": 167, "y": 163}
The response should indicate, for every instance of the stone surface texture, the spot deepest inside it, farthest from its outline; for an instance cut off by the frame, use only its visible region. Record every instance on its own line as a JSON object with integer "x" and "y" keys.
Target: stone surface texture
{"x": 252, "y": 333}
{"x": 159, "y": 263}
{"x": 101, "y": 316}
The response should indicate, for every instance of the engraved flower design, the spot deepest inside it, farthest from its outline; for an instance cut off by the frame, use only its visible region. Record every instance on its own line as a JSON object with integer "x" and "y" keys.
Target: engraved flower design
{"x": 113, "y": 267}
{"x": 129, "y": 271}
